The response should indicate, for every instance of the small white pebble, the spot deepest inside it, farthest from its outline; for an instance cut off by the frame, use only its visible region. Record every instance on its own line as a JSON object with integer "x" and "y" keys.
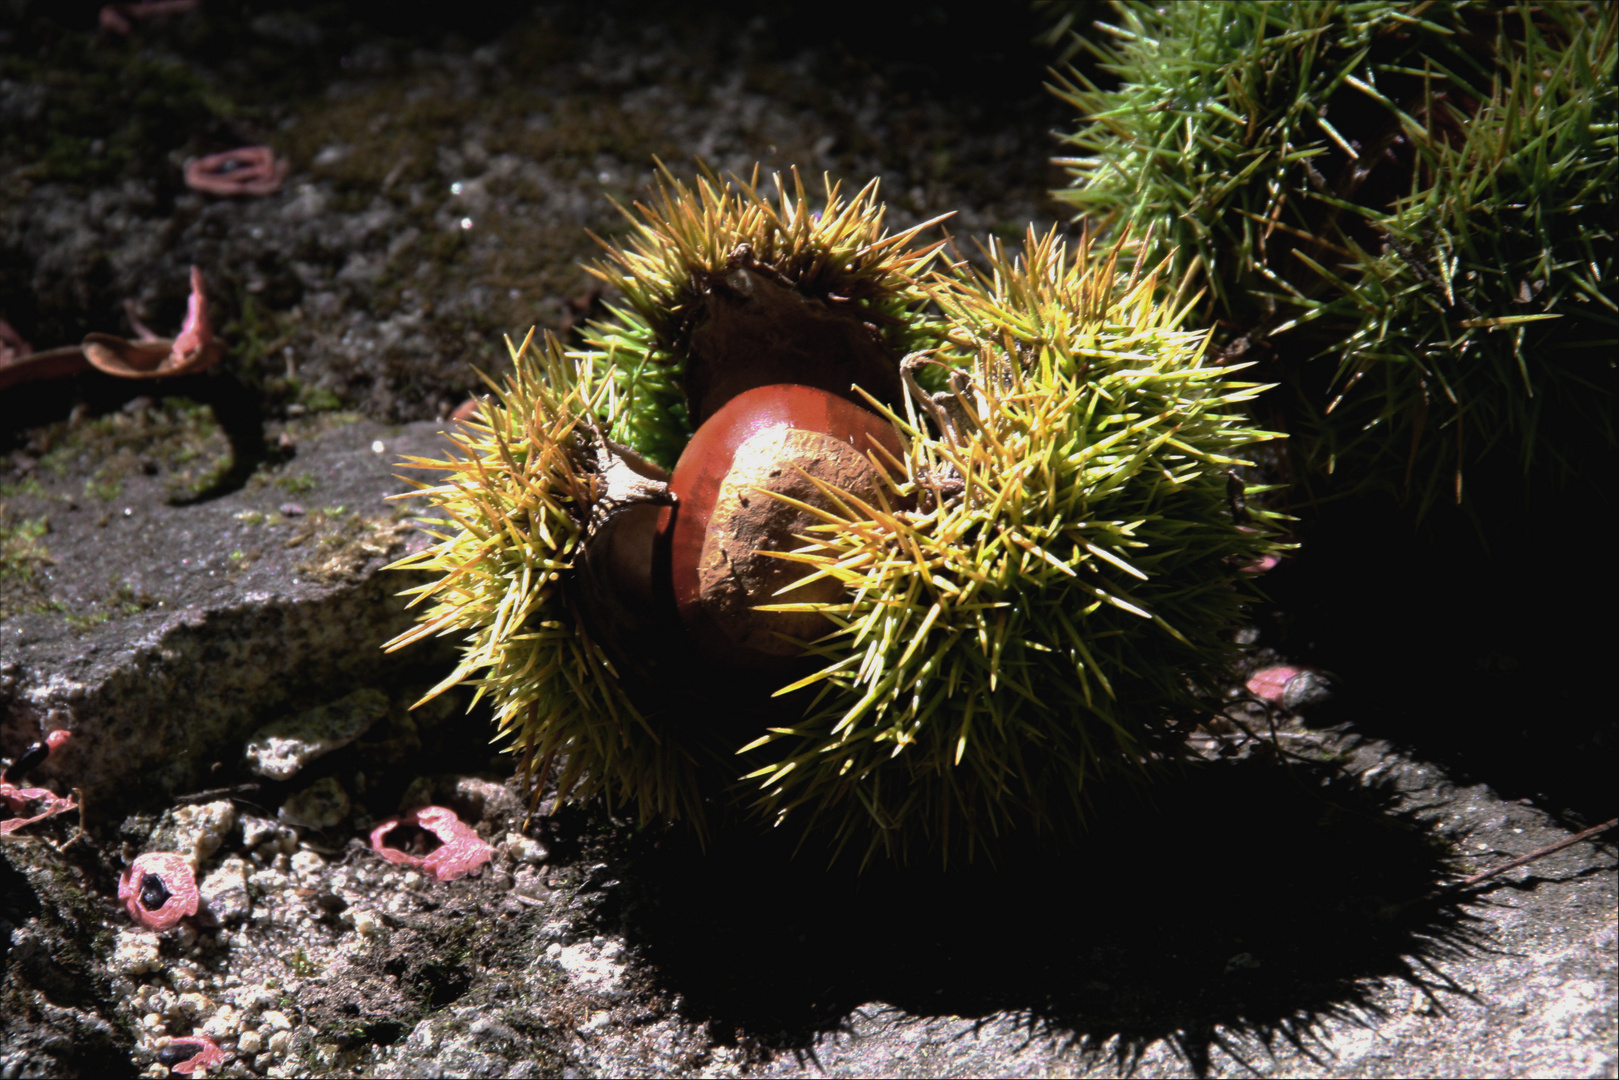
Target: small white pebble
{"x": 376, "y": 444}
{"x": 261, "y": 998}
{"x": 553, "y": 950}
{"x": 194, "y": 1004}
{"x": 223, "y": 1024}
{"x": 135, "y": 952}
{"x": 250, "y": 1042}
{"x": 275, "y": 1021}
{"x": 280, "y": 1041}
{"x": 151, "y": 1021}
{"x": 524, "y": 850}
{"x": 307, "y": 864}
{"x": 368, "y": 924}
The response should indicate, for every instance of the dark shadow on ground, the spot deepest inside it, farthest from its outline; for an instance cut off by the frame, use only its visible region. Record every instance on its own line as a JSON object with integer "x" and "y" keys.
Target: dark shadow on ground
{"x": 1245, "y": 906}
{"x": 1480, "y": 643}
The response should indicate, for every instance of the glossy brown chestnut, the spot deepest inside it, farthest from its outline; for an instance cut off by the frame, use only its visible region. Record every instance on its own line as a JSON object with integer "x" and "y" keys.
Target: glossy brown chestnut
{"x": 765, "y": 439}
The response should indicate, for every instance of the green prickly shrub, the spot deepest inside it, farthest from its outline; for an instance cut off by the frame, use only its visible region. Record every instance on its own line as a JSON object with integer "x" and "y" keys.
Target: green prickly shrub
{"x": 1408, "y": 209}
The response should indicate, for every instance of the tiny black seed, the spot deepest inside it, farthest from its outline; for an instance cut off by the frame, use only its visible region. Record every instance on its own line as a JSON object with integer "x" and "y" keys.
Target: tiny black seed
{"x": 154, "y": 894}
{"x": 30, "y": 759}
{"x": 176, "y": 1052}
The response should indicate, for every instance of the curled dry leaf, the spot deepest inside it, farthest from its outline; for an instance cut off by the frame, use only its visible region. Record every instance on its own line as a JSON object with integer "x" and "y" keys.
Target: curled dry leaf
{"x": 191, "y": 1053}
{"x": 250, "y": 170}
{"x": 195, "y": 349}
{"x": 461, "y": 850}
{"x": 39, "y": 366}
{"x": 19, "y": 363}
{"x": 159, "y": 889}
{"x": 114, "y": 18}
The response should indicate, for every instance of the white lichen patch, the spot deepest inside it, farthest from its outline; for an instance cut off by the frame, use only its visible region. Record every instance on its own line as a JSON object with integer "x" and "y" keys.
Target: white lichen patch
{"x": 596, "y": 963}
{"x": 279, "y": 750}
{"x": 135, "y": 953}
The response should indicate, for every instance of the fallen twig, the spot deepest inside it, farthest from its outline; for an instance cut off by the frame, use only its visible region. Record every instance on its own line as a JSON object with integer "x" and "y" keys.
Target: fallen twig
{"x": 1538, "y": 853}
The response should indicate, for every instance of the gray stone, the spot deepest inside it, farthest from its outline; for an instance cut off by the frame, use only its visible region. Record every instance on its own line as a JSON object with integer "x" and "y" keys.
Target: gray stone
{"x": 195, "y": 832}
{"x": 225, "y": 894}
{"x": 278, "y": 750}
{"x": 217, "y": 644}
{"x": 321, "y": 805}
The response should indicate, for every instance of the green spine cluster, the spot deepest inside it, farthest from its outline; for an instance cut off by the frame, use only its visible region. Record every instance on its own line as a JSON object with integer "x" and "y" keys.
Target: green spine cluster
{"x": 509, "y": 516}
{"x": 1410, "y": 209}
{"x": 688, "y": 236}
{"x": 1064, "y": 591}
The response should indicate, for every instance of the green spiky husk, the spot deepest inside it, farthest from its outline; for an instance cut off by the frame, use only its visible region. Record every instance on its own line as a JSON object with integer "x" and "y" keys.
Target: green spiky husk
{"x": 1439, "y": 297}
{"x": 1043, "y": 629}
{"x": 687, "y": 236}
{"x": 1048, "y": 591}
{"x": 510, "y": 514}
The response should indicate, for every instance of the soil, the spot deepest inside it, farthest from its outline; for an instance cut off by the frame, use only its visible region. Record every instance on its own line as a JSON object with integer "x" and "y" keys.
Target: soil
{"x": 1281, "y": 908}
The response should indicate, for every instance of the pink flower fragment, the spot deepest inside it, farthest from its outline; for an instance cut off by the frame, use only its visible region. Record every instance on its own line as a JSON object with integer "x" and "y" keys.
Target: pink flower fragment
{"x": 191, "y": 1053}
{"x": 1264, "y": 563}
{"x": 115, "y": 17}
{"x": 461, "y": 852}
{"x": 159, "y": 889}
{"x": 250, "y": 170}
{"x": 1269, "y": 683}
{"x": 15, "y": 797}
{"x": 195, "y": 349}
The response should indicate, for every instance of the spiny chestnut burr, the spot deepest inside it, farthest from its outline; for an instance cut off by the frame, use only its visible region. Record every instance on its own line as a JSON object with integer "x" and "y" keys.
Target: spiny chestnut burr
{"x": 770, "y": 441}
{"x": 992, "y": 586}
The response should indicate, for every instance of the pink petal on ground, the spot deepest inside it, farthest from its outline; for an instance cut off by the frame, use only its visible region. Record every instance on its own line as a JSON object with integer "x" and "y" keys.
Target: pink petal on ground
{"x": 464, "y": 850}
{"x": 178, "y": 880}
{"x": 195, "y": 349}
{"x": 115, "y": 17}
{"x": 251, "y": 170}
{"x": 16, "y": 798}
{"x": 205, "y": 1054}
{"x": 197, "y": 333}
{"x": 461, "y": 851}
{"x": 112, "y": 19}
{"x": 55, "y": 739}
{"x": 393, "y": 855}
{"x": 147, "y": 9}
{"x": 1268, "y": 683}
